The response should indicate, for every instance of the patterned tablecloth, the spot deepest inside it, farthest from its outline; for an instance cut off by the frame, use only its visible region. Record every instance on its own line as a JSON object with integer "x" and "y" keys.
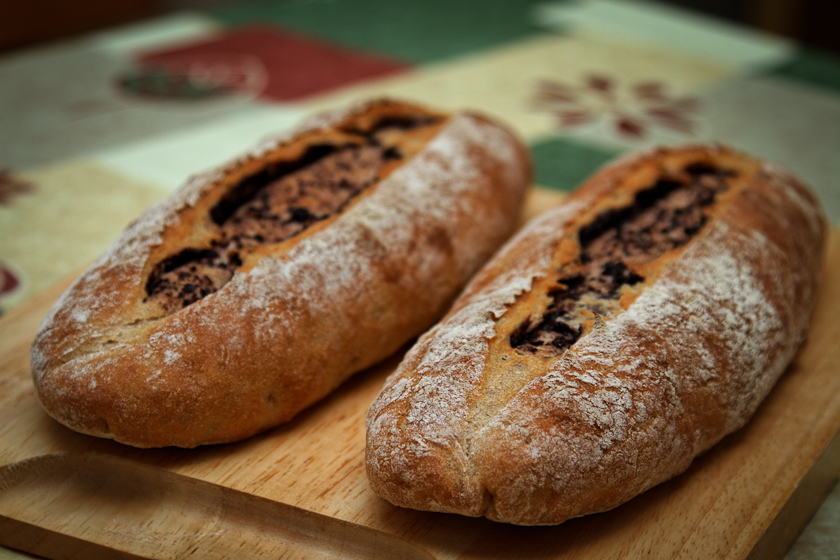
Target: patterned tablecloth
{"x": 95, "y": 130}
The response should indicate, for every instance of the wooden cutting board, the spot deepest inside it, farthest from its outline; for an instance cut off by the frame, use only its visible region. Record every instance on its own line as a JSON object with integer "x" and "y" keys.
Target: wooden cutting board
{"x": 300, "y": 490}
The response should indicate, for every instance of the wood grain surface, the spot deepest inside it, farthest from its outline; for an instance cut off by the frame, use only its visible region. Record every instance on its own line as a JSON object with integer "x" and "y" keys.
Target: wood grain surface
{"x": 750, "y": 495}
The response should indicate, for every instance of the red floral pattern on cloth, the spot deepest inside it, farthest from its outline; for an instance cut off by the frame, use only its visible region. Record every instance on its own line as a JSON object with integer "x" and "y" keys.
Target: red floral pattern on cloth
{"x": 11, "y": 186}
{"x": 198, "y": 77}
{"x": 259, "y": 61}
{"x": 9, "y": 282}
{"x": 632, "y": 110}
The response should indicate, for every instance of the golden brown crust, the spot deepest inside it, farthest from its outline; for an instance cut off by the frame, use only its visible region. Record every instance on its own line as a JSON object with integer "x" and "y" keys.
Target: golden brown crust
{"x": 469, "y": 424}
{"x": 299, "y": 315}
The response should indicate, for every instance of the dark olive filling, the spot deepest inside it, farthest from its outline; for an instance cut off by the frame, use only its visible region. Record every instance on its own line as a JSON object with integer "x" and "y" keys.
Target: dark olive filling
{"x": 661, "y": 218}
{"x": 275, "y": 204}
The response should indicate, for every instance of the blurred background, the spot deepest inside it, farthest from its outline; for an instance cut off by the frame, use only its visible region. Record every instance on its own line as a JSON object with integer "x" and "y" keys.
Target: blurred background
{"x": 811, "y": 22}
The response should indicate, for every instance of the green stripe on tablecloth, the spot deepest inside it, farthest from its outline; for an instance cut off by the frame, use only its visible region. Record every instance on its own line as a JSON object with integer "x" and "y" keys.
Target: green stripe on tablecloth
{"x": 563, "y": 163}
{"x": 813, "y": 67}
{"x": 414, "y": 30}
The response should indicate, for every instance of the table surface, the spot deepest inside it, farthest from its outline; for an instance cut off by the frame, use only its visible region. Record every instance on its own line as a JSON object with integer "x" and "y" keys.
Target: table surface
{"x": 96, "y": 129}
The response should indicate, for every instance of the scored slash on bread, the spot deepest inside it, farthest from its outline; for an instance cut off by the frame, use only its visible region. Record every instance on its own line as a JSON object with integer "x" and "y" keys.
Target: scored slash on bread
{"x": 259, "y": 287}
{"x": 609, "y": 343}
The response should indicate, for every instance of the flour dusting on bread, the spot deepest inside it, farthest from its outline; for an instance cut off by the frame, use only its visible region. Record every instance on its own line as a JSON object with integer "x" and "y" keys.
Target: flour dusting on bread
{"x": 471, "y": 424}
{"x": 287, "y": 328}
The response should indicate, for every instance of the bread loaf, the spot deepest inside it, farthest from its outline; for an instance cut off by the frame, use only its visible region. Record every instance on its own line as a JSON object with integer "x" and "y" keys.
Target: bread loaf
{"x": 609, "y": 343}
{"x": 259, "y": 287}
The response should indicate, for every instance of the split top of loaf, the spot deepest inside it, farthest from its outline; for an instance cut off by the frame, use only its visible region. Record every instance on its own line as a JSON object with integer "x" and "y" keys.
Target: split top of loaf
{"x": 612, "y": 251}
{"x": 265, "y": 206}
{"x": 611, "y": 341}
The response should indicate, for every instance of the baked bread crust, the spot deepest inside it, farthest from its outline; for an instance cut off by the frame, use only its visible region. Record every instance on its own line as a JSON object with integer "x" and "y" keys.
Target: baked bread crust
{"x": 298, "y": 316}
{"x": 471, "y": 425}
